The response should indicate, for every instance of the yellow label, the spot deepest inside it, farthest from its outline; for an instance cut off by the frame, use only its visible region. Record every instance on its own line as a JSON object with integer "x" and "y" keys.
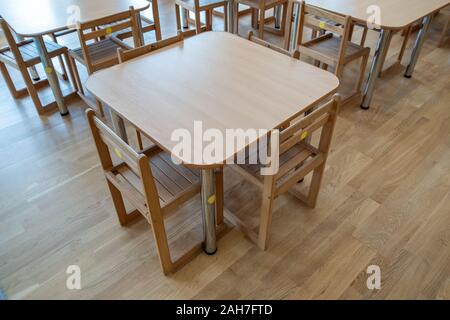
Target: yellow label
{"x": 118, "y": 153}
{"x": 108, "y": 30}
{"x": 322, "y": 25}
{"x": 48, "y": 70}
{"x": 212, "y": 199}
{"x": 304, "y": 135}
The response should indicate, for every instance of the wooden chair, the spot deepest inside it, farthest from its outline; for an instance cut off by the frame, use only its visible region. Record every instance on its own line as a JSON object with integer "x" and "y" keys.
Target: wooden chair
{"x": 444, "y": 36}
{"x": 333, "y": 47}
{"x": 298, "y": 157}
{"x": 23, "y": 55}
{"x": 261, "y": 6}
{"x": 198, "y": 6}
{"x": 147, "y": 25}
{"x": 150, "y": 181}
{"x": 99, "y": 47}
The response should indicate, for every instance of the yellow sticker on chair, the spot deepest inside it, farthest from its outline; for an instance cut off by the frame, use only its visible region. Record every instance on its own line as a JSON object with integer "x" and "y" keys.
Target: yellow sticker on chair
{"x": 322, "y": 25}
{"x": 108, "y": 30}
{"x": 212, "y": 199}
{"x": 304, "y": 135}
{"x": 118, "y": 153}
{"x": 48, "y": 70}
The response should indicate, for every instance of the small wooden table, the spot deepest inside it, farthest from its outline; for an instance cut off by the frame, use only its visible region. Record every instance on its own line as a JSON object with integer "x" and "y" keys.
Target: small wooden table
{"x": 34, "y": 19}
{"x": 395, "y": 15}
{"x": 222, "y": 80}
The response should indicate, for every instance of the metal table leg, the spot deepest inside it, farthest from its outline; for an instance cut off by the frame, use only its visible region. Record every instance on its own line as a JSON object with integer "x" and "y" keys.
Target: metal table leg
{"x": 382, "y": 46}
{"x": 51, "y": 74}
{"x": 294, "y": 29}
{"x": 184, "y": 18}
{"x": 277, "y": 14}
{"x": 118, "y": 126}
{"x": 418, "y": 46}
{"x": 208, "y": 211}
{"x": 230, "y": 16}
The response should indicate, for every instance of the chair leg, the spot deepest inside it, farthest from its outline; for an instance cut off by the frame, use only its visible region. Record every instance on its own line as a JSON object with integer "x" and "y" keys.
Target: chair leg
{"x": 219, "y": 196}
{"x": 119, "y": 205}
{"x": 364, "y": 36}
{"x": 225, "y": 17}
{"x": 254, "y": 18}
{"x": 314, "y": 189}
{"x": 72, "y": 77}
{"x": 236, "y": 17}
{"x": 139, "y": 140}
{"x": 60, "y": 59}
{"x": 208, "y": 20}
{"x": 284, "y": 19}
{"x": 266, "y": 212}
{"x": 262, "y": 17}
{"x": 156, "y": 20}
{"x": 32, "y": 91}
{"x": 198, "y": 22}
{"x": 78, "y": 84}
{"x": 404, "y": 44}
{"x": 159, "y": 233}
{"x": 9, "y": 83}
{"x": 178, "y": 17}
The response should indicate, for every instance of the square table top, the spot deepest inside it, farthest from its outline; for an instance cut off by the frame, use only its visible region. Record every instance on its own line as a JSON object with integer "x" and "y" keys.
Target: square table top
{"x": 38, "y": 17}
{"x": 395, "y": 14}
{"x": 223, "y": 80}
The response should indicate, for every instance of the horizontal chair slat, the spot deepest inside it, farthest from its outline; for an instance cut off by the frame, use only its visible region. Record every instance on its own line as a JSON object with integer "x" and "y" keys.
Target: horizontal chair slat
{"x": 107, "y": 31}
{"x": 309, "y": 130}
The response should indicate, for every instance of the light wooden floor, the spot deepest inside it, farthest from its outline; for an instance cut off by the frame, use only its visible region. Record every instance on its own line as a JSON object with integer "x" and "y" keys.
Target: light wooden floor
{"x": 385, "y": 201}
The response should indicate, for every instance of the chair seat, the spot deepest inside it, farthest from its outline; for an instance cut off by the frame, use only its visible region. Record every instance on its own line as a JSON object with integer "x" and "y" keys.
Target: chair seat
{"x": 100, "y": 52}
{"x": 329, "y": 47}
{"x": 285, "y": 167}
{"x": 204, "y": 4}
{"x": 30, "y": 54}
{"x": 259, "y": 3}
{"x": 171, "y": 180}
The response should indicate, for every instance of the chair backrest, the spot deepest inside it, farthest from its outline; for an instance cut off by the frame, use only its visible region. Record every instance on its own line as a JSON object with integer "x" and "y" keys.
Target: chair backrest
{"x": 108, "y": 142}
{"x": 105, "y": 28}
{"x": 252, "y": 38}
{"x": 327, "y": 22}
{"x": 299, "y": 133}
{"x": 12, "y": 44}
{"x": 125, "y": 55}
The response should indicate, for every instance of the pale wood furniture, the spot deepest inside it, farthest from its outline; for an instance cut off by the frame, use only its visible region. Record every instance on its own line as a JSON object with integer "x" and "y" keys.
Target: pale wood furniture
{"x": 298, "y": 157}
{"x": 395, "y": 15}
{"x": 333, "y": 47}
{"x": 153, "y": 192}
{"x": 444, "y": 35}
{"x": 97, "y": 54}
{"x": 259, "y": 8}
{"x": 24, "y": 55}
{"x": 55, "y": 16}
{"x": 369, "y": 197}
{"x": 199, "y": 6}
{"x": 221, "y": 99}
